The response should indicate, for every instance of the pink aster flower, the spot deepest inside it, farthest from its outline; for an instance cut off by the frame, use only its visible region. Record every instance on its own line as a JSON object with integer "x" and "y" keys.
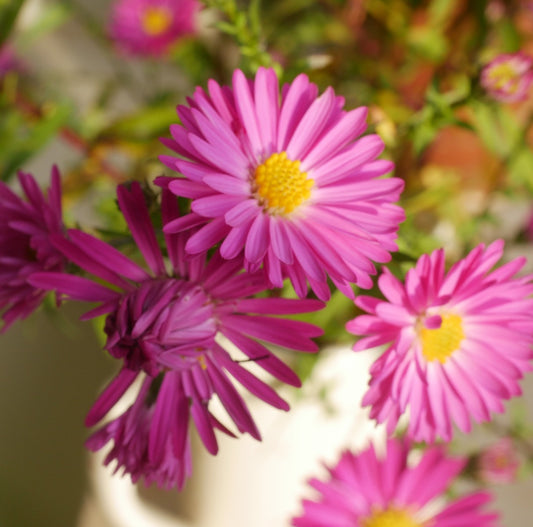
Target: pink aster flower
{"x": 179, "y": 328}
{"x": 508, "y": 77}
{"x": 150, "y": 27}
{"x": 25, "y": 248}
{"x": 367, "y": 490}
{"x": 499, "y": 463}
{"x": 449, "y": 357}
{"x": 286, "y": 180}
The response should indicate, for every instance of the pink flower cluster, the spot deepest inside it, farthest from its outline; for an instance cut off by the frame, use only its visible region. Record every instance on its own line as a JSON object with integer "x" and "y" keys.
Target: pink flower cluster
{"x": 284, "y": 189}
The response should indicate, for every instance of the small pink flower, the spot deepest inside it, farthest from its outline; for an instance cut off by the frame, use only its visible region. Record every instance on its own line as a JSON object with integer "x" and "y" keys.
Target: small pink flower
{"x": 25, "y": 246}
{"x": 187, "y": 327}
{"x": 508, "y": 77}
{"x": 499, "y": 463}
{"x": 368, "y": 490}
{"x": 457, "y": 342}
{"x": 150, "y": 27}
{"x": 285, "y": 180}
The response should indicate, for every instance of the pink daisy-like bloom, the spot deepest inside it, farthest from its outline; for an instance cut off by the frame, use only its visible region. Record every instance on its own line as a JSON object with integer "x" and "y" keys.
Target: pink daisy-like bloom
{"x": 150, "y": 27}
{"x": 286, "y": 180}
{"x": 458, "y": 342}
{"x": 169, "y": 326}
{"x": 25, "y": 247}
{"x": 499, "y": 463}
{"x": 366, "y": 490}
{"x": 508, "y": 77}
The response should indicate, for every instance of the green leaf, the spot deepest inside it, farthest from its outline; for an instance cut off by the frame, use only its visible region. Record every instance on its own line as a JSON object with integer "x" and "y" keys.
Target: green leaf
{"x": 148, "y": 123}
{"x": 21, "y": 140}
{"x": 488, "y": 128}
{"x": 520, "y": 168}
{"x": 9, "y": 10}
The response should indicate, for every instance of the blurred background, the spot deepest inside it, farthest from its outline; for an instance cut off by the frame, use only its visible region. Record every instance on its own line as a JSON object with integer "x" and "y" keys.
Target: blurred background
{"x": 72, "y": 96}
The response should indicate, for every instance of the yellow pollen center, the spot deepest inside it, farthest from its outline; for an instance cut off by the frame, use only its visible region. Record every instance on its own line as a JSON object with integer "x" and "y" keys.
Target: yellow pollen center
{"x": 156, "y": 20}
{"x": 279, "y": 184}
{"x": 440, "y": 343}
{"x": 390, "y": 518}
{"x": 504, "y": 76}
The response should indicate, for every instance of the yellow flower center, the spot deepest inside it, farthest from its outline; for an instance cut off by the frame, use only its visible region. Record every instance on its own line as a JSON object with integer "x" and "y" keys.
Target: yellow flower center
{"x": 280, "y": 186}
{"x": 440, "y": 343}
{"x": 156, "y": 20}
{"x": 390, "y": 518}
{"x": 504, "y": 76}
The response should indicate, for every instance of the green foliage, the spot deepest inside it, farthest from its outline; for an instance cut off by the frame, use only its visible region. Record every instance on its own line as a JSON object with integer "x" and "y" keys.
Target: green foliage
{"x": 22, "y": 137}
{"x": 9, "y": 10}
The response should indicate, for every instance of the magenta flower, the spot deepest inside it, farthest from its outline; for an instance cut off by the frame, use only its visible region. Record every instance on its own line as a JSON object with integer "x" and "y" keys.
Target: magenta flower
{"x": 366, "y": 490}
{"x": 286, "y": 180}
{"x": 25, "y": 247}
{"x": 150, "y": 27}
{"x": 180, "y": 328}
{"x": 499, "y": 463}
{"x": 508, "y": 77}
{"x": 8, "y": 61}
{"x": 448, "y": 357}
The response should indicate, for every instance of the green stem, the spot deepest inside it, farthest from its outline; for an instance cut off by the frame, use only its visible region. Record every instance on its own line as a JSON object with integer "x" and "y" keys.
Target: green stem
{"x": 245, "y": 28}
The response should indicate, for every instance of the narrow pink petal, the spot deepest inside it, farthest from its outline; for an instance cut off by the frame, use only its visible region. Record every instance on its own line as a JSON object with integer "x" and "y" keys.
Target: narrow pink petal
{"x": 234, "y": 242}
{"x": 279, "y": 241}
{"x": 262, "y": 356}
{"x": 296, "y": 100}
{"x": 184, "y": 223}
{"x": 228, "y": 184}
{"x": 254, "y": 385}
{"x": 217, "y": 158}
{"x": 311, "y": 125}
{"x": 245, "y": 107}
{"x": 278, "y": 306}
{"x": 292, "y": 334}
{"x": 203, "y": 424}
{"x": 351, "y": 125}
{"x": 207, "y": 236}
{"x": 109, "y": 256}
{"x": 231, "y": 400}
{"x": 242, "y": 213}
{"x": 257, "y": 240}
{"x": 110, "y": 396}
{"x": 161, "y": 424}
{"x": 214, "y": 206}
{"x": 133, "y": 207}
{"x": 266, "y": 96}
{"x": 74, "y": 287}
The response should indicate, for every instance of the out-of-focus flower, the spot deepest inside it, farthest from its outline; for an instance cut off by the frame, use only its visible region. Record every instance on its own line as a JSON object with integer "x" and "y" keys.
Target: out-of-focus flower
{"x": 371, "y": 491}
{"x": 508, "y": 77}
{"x": 499, "y": 463}
{"x": 8, "y": 61}
{"x": 25, "y": 246}
{"x": 170, "y": 326}
{"x": 150, "y": 27}
{"x": 285, "y": 180}
{"x": 449, "y": 357}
